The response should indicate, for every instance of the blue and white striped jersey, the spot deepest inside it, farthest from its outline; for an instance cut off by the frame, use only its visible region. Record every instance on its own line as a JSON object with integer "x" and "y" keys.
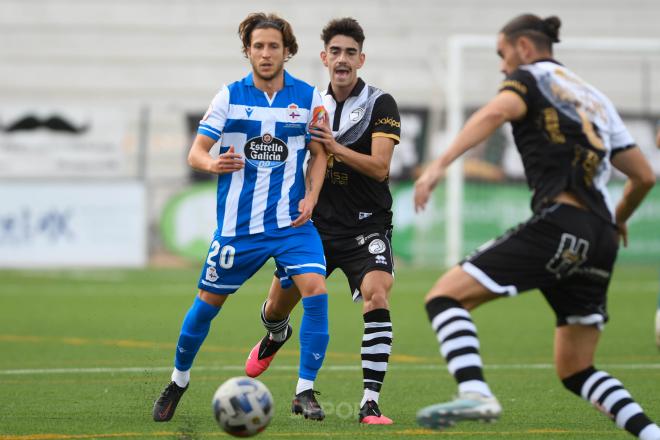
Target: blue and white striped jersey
{"x": 271, "y": 135}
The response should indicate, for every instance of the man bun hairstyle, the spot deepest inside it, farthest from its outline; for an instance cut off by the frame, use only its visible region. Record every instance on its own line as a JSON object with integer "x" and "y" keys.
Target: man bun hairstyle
{"x": 343, "y": 26}
{"x": 542, "y": 31}
{"x": 259, "y": 20}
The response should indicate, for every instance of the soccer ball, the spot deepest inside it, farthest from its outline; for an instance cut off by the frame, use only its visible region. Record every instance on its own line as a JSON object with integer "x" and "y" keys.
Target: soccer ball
{"x": 243, "y": 406}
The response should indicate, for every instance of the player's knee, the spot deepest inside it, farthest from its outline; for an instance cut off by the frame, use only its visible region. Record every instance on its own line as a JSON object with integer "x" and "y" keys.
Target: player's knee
{"x": 376, "y": 299}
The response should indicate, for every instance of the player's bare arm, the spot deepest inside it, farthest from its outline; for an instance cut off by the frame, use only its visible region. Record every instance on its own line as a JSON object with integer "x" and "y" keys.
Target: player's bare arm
{"x": 506, "y": 106}
{"x": 641, "y": 179}
{"x": 200, "y": 159}
{"x": 375, "y": 165}
{"x": 313, "y": 183}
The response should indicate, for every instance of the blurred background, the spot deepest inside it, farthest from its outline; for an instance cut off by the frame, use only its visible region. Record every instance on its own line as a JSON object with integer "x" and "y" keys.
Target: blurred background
{"x": 99, "y": 102}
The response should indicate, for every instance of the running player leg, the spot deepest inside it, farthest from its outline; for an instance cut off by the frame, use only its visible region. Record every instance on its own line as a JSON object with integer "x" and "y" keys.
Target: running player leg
{"x": 575, "y": 346}
{"x": 275, "y": 318}
{"x": 220, "y": 277}
{"x": 447, "y": 305}
{"x": 376, "y": 343}
{"x": 314, "y": 340}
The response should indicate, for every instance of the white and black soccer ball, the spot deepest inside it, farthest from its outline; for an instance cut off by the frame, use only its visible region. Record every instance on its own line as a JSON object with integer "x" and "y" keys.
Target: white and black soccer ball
{"x": 243, "y": 406}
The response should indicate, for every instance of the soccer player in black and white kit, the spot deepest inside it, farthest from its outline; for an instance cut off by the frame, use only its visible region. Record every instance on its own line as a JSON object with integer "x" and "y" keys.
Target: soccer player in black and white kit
{"x": 568, "y": 135}
{"x": 353, "y": 214}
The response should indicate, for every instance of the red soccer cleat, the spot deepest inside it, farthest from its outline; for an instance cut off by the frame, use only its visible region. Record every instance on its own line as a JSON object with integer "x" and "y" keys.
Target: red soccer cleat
{"x": 263, "y": 353}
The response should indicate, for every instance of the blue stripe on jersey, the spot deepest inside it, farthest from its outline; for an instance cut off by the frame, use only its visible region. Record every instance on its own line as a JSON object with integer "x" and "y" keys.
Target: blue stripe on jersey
{"x": 289, "y": 94}
{"x": 245, "y": 200}
{"x": 251, "y": 129}
{"x": 208, "y": 131}
{"x": 297, "y": 192}
{"x": 224, "y": 180}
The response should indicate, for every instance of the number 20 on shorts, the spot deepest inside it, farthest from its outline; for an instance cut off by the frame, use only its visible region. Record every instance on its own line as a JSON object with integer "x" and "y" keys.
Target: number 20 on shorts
{"x": 226, "y": 260}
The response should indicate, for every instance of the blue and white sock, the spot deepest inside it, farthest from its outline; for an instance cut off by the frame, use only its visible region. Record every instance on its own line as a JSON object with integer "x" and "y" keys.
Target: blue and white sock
{"x": 314, "y": 335}
{"x": 195, "y": 327}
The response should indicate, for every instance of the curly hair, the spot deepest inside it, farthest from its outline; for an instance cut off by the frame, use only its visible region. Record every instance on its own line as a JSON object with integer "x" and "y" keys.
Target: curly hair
{"x": 259, "y": 20}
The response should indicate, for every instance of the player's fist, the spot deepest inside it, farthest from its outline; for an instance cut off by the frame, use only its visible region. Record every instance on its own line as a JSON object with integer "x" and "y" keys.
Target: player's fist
{"x": 227, "y": 162}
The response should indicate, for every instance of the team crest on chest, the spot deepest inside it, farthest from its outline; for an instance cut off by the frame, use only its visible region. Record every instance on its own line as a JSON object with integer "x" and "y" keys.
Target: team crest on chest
{"x": 293, "y": 112}
{"x": 266, "y": 151}
{"x": 356, "y": 114}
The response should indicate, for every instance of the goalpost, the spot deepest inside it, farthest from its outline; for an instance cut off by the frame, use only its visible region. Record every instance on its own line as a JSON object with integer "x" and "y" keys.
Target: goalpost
{"x": 458, "y": 46}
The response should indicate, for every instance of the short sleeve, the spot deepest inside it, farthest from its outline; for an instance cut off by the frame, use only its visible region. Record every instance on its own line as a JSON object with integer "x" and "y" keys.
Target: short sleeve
{"x": 521, "y": 83}
{"x": 620, "y": 137}
{"x": 215, "y": 117}
{"x": 386, "y": 119}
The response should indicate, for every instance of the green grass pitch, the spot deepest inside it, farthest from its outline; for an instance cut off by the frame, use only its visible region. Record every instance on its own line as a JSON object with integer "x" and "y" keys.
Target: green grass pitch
{"x": 83, "y": 354}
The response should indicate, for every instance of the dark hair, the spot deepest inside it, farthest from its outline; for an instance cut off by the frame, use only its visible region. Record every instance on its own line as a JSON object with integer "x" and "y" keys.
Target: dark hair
{"x": 259, "y": 20}
{"x": 542, "y": 32}
{"x": 343, "y": 26}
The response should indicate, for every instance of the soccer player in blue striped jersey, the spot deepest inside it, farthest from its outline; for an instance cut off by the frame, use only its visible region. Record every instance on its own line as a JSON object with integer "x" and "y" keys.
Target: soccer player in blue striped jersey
{"x": 264, "y": 201}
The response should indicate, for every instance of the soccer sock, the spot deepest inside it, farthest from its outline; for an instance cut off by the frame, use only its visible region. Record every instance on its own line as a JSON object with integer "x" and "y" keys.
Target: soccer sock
{"x": 276, "y": 329}
{"x": 304, "y": 385}
{"x": 314, "y": 336}
{"x": 181, "y": 378}
{"x": 375, "y": 352}
{"x": 609, "y": 396}
{"x": 459, "y": 344}
{"x": 195, "y": 327}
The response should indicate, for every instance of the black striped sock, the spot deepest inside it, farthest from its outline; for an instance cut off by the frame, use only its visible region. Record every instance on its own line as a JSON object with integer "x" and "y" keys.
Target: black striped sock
{"x": 376, "y": 348}
{"x": 277, "y": 329}
{"x": 459, "y": 344}
{"x": 609, "y": 396}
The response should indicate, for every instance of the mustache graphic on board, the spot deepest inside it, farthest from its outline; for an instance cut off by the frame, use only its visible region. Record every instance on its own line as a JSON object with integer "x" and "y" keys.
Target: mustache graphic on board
{"x": 53, "y": 123}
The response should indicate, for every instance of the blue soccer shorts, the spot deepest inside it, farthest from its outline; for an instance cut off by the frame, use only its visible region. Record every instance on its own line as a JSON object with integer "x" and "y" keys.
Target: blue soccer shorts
{"x": 233, "y": 260}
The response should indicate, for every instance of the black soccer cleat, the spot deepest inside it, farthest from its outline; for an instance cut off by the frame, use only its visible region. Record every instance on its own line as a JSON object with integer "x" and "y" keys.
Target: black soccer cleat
{"x": 166, "y": 404}
{"x": 370, "y": 414}
{"x": 306, "y": 404}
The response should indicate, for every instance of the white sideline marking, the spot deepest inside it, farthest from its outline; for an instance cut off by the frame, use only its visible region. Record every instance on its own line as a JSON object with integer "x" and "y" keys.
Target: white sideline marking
{"x": 439, "y": 366}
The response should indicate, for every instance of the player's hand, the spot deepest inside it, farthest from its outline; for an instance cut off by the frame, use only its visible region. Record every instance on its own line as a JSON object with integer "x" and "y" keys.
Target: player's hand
{"x": 623, "y": 233}
{"x": 227, "y": 162}
{"x": 323, "y": 134}
{"x": 425, "y": 184}
{"x": 305, "y": 208}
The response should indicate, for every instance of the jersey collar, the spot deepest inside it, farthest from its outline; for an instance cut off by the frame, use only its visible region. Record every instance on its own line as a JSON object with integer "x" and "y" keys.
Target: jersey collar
{"x": 549, "y": 60}
{"x": 355, "y": 92}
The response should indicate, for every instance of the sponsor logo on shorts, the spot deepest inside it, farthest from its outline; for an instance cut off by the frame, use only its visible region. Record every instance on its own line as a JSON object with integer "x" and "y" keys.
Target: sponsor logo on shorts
{"x": 363, "y": 215}
{"x": 377, "y": 247}
{"x": 211, "y": 274}
{"x": 381, "y": 260}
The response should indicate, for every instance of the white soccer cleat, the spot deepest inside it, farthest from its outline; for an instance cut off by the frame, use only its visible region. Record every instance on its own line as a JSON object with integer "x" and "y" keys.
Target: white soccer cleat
{"x": 467, "y": 406}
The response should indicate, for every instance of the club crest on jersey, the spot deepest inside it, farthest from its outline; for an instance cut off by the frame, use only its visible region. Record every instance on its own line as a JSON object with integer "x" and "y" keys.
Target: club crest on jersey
{"x": 377, "y": 246}
{"x": 356, "y": 114}
{"x": 266, "y": 151}
{"x": 293, "y": 112}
